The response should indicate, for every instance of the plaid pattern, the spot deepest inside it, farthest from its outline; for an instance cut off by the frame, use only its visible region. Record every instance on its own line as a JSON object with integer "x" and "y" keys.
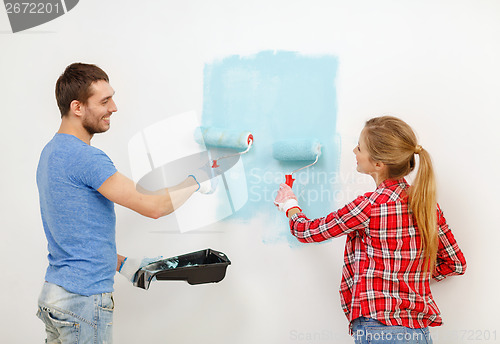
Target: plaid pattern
{"x": 382, "y": 276}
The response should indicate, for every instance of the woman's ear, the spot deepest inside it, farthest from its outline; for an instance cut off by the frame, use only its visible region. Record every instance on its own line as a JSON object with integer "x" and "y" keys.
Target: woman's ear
{"x": 380, "y": 166}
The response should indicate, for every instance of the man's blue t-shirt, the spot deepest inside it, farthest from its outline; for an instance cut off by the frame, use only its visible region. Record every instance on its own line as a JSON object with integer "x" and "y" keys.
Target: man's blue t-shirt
{"x": 79, "y": 222}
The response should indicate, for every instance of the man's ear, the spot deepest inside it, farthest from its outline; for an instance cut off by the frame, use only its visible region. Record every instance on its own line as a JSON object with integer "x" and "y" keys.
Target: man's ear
{"x": 76, "y": 107}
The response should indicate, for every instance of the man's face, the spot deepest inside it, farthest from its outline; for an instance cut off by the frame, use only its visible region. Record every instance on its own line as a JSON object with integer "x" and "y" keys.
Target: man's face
{"x": 100, "y": 106}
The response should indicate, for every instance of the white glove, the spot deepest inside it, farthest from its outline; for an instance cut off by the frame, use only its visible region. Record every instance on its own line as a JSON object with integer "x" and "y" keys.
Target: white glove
{"x": 207, "y": 183}
{"x": 130, "y": 266}
{"x": 286, "y": 199}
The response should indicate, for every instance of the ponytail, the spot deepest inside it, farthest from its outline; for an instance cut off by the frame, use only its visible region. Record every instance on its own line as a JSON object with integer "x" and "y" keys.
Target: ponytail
{"x": 393, "y": 142}
{"x": 422, "y": 200}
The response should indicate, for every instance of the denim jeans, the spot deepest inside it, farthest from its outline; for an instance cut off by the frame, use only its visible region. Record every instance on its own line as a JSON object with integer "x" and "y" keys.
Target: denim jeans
{"x": 73, "y": 318}
{"x": 370, "y": 331}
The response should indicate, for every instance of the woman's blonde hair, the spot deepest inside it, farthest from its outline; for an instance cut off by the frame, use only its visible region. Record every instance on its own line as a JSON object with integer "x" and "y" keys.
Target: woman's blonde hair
{"x": 393, "y": 142}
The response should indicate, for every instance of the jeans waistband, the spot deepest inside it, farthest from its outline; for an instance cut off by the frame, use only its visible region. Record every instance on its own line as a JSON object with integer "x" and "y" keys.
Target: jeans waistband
{"x": 367, "y": 320}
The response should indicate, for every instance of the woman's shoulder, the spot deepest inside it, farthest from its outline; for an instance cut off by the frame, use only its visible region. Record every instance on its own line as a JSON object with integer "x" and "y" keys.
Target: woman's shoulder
{"x": 390, "y": 190}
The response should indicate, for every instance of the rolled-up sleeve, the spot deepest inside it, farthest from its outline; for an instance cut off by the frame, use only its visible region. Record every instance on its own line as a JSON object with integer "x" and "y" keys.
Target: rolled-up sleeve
{"x": 450, "y": 259}
{"x": 353, "y": 216}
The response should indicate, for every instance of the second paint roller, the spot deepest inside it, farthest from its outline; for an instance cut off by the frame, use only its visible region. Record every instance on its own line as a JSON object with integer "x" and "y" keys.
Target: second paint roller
{"x": 297, "y": 150}
{"x": 217, "y": 137}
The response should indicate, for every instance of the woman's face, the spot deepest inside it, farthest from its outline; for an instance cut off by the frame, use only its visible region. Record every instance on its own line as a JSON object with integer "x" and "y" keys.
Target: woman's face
{"x": 365, "y": 164}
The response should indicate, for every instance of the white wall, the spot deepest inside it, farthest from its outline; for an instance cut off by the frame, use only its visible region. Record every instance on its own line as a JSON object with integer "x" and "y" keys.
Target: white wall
{"x": 433, "y": 63}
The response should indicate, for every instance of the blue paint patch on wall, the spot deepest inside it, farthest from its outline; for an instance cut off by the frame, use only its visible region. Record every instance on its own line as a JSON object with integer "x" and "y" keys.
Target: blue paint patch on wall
{"x": 277, "y": 96}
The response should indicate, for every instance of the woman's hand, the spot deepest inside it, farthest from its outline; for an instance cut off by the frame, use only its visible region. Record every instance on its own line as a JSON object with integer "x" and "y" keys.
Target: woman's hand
{"x": 286, "y": 199}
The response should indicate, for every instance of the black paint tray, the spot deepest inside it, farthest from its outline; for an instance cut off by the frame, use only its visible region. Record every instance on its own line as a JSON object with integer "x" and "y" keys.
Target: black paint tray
{"x": 206, "y": 266}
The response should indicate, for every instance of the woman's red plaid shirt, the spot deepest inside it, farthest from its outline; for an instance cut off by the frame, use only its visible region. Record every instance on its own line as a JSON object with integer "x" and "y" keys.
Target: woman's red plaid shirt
{"x": 383, "y": 276}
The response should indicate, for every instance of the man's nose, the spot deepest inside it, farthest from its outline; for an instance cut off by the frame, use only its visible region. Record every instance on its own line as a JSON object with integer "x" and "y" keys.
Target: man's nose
{"x": 113, "y": 106}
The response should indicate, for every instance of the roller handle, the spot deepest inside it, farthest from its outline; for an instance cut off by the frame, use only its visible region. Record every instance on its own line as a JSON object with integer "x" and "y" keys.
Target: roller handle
{"x": 289, "y": 180}
{"x": 249, "y": 144}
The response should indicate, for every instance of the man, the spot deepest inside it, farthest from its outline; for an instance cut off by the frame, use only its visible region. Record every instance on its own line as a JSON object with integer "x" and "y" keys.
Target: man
{"x": 78, "y": 186}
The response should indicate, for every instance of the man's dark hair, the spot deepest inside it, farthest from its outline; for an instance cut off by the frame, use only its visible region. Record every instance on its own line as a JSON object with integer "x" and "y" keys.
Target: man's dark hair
{"x": 75, "y": 84}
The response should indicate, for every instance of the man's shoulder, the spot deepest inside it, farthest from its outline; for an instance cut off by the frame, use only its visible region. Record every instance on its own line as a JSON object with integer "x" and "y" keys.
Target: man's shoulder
{"x": 75, "y": 147}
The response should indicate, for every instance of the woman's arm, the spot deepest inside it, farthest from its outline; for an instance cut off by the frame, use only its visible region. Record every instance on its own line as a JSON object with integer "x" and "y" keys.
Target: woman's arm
{"x": 450, "y": 259}
{"x": 353, "y": 216}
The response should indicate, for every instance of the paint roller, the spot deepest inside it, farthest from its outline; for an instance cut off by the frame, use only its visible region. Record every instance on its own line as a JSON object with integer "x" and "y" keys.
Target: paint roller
{"x": 297, "y": 150}
{"x": 224, "y": 138}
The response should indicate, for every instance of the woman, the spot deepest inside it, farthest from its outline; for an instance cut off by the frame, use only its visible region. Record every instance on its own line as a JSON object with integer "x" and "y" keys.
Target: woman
{"x": 397, "y": 238}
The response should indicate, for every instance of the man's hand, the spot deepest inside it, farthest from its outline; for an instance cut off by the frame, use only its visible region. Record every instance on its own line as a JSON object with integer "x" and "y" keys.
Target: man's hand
{"x": 205, "y": 177}
{"x": 130, "y": 266}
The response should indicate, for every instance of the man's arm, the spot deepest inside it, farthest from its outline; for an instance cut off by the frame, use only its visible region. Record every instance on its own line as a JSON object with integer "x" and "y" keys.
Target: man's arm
{"x": 121, "y": 190}
{"x": 119, "y": 262}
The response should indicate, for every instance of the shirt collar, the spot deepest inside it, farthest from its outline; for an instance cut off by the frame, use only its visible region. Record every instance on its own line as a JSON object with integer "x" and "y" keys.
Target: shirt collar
{"x": 392, "y": 182}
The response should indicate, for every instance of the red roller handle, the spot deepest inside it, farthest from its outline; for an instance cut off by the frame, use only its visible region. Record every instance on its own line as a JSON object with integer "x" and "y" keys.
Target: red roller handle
{"x": 289, "y": 180}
